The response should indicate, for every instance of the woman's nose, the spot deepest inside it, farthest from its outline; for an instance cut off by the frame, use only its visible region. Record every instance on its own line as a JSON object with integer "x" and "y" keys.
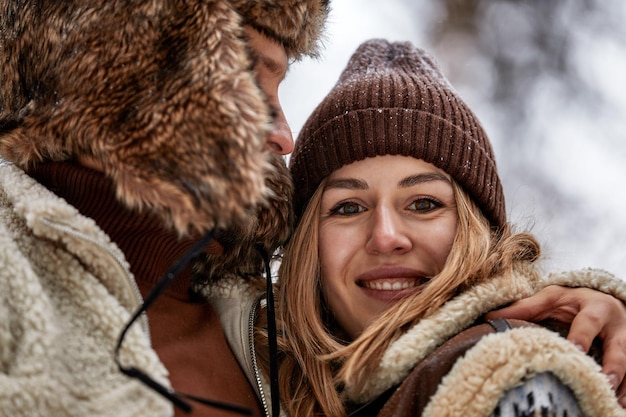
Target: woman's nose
{"x": 388, "y": 233}
{"x": 280, "y": 139}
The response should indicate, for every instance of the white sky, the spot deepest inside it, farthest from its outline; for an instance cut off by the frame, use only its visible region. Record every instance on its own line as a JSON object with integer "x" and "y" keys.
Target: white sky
{"x": 586, "y": 157}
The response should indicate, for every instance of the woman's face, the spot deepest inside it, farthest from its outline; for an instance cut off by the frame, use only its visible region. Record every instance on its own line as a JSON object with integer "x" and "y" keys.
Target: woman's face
{"x": 387, "y": 225}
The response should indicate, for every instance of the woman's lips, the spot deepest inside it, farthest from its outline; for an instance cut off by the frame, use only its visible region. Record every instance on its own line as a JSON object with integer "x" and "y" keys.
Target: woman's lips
{"x": 390, "y": 283}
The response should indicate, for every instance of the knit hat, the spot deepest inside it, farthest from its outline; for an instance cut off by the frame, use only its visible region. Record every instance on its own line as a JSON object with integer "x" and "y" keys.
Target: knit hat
{"x": 392, "y": 99}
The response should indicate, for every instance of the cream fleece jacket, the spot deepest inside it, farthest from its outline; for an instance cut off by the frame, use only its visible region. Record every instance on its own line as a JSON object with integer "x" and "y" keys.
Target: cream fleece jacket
{"x": 65, "y": 294}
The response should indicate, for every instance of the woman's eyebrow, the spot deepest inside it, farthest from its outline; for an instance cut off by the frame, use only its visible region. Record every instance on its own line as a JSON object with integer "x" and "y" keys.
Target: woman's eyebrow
{"x": 347, "y": 183}
{"x": 412, "y": 180}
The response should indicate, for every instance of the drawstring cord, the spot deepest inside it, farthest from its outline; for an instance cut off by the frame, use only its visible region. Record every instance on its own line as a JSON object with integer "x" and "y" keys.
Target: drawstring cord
{"x": 177, "y": 398}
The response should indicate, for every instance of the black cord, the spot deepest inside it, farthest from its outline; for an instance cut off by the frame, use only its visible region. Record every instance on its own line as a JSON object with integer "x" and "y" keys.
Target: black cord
{"x": 173, "y": 396}
{"x": 163, "y": 283}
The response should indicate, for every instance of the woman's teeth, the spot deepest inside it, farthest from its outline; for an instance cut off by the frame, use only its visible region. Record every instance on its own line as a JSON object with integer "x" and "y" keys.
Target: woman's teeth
{"x": 390, "y": 285}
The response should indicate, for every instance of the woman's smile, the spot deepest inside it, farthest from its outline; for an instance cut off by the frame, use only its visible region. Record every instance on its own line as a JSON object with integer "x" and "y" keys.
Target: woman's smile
{"x": 391, "y": 282}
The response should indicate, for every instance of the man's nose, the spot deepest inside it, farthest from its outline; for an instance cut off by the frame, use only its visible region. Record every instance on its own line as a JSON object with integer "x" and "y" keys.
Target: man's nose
{"x": 280, "y": 139}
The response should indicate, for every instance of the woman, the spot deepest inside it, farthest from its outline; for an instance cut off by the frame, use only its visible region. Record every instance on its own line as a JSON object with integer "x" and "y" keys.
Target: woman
{"x": 402, "y": 242}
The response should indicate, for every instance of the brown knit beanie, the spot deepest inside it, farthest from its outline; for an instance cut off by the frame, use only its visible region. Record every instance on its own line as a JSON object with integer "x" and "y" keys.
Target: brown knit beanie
{"x": 392, "y": 99}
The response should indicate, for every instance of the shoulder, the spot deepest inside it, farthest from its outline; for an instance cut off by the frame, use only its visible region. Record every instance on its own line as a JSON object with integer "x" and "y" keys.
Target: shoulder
{"x": 500, "y": 362}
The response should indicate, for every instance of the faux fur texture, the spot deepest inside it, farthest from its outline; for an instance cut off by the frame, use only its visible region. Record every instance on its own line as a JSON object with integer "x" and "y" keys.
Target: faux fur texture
{"x": 460, "y": 312}
{"x": 269, "y": 228}
{"x": 297, "y": 24}
{"x": 160, "y": 93}
{"x": 502, "y": 360}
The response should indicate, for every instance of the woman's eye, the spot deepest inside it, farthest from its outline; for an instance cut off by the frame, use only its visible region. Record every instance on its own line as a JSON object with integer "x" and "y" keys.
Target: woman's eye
{"x": 348, "y": 208}
{"x": 424, "y": 205}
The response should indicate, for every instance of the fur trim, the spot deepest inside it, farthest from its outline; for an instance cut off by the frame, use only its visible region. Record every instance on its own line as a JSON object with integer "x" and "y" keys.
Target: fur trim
{"x": 500, "y": 361}
{"x": 229, "y": 287}
{"x": 596, "y": 279}
{"x": 296, "y": 24}
{"x": 269, "y": 229}
{"x": 160, "y": 94}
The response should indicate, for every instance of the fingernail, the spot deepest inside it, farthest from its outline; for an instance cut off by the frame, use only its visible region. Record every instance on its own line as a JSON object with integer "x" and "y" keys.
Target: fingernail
{"x": 580, "y": 347}
{"x": 613, "y": 381}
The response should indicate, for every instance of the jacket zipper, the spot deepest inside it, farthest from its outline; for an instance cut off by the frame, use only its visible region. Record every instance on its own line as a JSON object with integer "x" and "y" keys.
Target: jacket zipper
{"x": 129, "y": 281}
{"x": 255, "y": 366}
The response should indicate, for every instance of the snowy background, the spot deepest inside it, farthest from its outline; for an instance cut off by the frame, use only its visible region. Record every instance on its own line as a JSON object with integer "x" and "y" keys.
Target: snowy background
{"x": 548, "y": 81}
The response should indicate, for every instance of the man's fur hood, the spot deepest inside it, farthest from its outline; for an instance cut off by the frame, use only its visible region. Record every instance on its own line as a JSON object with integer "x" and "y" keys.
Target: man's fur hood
{"x": 160, "y": 93}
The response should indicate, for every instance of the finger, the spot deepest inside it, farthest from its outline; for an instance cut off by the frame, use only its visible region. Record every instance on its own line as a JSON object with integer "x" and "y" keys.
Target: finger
{"x": 614, "y": 358}
{"x": 585, "y": 327}
{"x": 603, "y": 320}
{"x": 549, "y": 302}
{"x": 614, "y": 366}
{"x": 621, "y": 395}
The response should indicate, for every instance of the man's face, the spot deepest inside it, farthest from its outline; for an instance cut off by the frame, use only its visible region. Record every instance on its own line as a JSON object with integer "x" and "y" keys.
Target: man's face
{"x": 270, "y": 67}
{"x": 273, "y": 220}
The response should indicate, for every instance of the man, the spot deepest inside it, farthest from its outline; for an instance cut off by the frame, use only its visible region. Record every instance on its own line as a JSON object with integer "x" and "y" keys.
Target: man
{"x": 129, "y": 130}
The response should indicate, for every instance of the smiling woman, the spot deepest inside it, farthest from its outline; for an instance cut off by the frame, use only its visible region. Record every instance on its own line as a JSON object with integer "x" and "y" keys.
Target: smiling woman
{"x": 374, "y": 213}
{"x": 402, "y": 243}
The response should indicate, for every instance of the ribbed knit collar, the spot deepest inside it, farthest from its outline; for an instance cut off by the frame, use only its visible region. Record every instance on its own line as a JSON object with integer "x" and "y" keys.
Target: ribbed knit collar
{"x": 149, "y": 247}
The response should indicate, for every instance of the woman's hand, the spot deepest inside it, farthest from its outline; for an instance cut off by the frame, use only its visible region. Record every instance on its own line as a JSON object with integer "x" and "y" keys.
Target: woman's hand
{"x": 590, "y": 314}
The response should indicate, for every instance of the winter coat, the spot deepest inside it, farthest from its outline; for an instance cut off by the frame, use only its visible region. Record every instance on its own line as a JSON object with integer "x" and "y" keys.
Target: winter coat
{"x": 238, "y": 305}
{"x": 502, "y": 360}
{"x": 66, "y": 294}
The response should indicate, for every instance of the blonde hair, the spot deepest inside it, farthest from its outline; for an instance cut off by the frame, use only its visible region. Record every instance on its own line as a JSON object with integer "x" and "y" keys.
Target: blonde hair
{"x": 317, "y": 365}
